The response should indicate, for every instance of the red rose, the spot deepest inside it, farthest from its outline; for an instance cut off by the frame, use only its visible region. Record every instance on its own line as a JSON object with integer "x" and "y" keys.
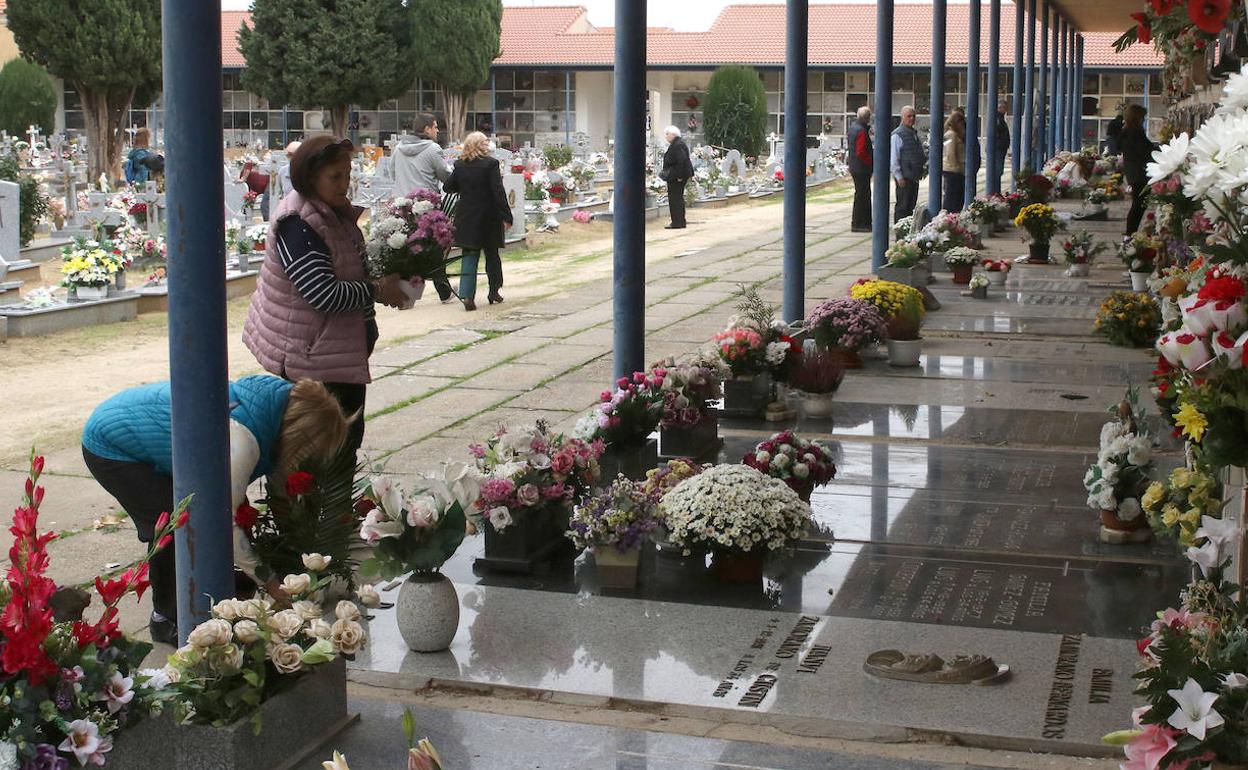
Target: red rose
{"x": 1163, "y": 7}
{"x": 1224, "y": 288}
{"x": 245, "y": 516}
{"x": 299, "y": 483}
{"x": 1209, "y": 15}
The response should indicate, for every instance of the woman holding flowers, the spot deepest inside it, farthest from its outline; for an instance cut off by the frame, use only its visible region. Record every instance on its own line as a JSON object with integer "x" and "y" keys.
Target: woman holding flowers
{"x": 276, "y": 427}
{"x": 480, "y": 218}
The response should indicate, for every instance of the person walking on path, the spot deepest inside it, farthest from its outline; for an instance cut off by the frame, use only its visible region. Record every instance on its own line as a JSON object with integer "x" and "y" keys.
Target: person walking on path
{"x": 1137, "y": 150}
{"x": 907, "y": 160}
{"x": 276, "y": 427}
{"x": 420, "y": 165}
{"x": 954, "y": 162}
{"x": 481, "y": 217}
{"x": 1003, "y": 143}
{"x": 860, "y": 164}
{"x": 1113, "y": 132}
{"x": 312, "y": 312}
{"x": 677, "y": 169}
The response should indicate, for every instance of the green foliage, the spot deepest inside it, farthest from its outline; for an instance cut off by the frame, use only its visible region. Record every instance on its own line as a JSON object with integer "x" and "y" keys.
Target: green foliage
{"x": 27, "y": 97}
{"x": 33, "y": 205}
{"x": 735, "y": 110}
{"x": 557, "y": 155}
{"x": 328, "y": 53}
{"x": 418, "y": 550}
{"x": 473, "y": 25}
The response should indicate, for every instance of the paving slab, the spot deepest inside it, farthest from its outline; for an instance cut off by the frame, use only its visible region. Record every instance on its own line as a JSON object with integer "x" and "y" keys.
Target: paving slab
{"x": 510, "y": 376}
{"x": 385, "y": 392}
{"x": 427, "y": 417}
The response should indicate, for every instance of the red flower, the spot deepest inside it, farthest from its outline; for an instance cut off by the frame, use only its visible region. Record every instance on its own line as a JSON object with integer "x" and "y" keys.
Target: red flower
{"x": 363, "y": 506}
{"x": 245, "y": 516}
{"x": 1224, "y": 288}
{"x": 1141, "y": 645}
{"x": 1163, "y": 7}
{"x": 299, "y": 483}
{"x": 1143, "y": 31}
{"x": 111, "y": 591}
{"x": 1209, "y": 15}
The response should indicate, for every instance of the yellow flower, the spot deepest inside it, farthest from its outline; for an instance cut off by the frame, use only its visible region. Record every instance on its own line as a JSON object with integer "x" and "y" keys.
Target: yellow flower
{"x": 1191, "y": 516}
{"x": 1153, "y": 496}
{"x": 1191, "y": 421}
{"x": 1170, "y": 515}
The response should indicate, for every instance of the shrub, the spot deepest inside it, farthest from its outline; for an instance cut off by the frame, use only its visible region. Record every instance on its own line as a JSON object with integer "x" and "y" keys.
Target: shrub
{"x": 735, "y": 112}
{"x": 33, "y": 205}
{"x": 557, "y": 155}
{"x": 27, "y": 98}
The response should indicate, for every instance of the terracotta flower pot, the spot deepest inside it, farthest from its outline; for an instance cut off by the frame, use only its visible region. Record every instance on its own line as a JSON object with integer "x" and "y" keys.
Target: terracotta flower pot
{"x": 962, "y": 274}
{"x": 1110, "y": 520}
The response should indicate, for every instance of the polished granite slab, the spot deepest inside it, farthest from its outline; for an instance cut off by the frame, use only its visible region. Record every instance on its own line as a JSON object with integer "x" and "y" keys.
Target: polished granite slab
{"x": 1016, "y": 370}
{"x": 799, "y": 672}
{"x": 1020, "y": 304}
{"x": 1008, "y": 323}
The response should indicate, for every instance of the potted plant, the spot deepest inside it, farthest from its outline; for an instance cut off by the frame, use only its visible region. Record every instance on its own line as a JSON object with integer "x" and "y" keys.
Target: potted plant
{"x": 1119, "y": 478}
{"x": 800, "y": 463}
{"x": 906, "y": 263}
{"x": 846, "y": 326}
{"x": 615, "y": 523}
{"x": 89, "y": 267}
{"x": 411, "y": 239}
{"x": 816, "y": 374}
{"x": 1139, "y": 253}
{"x": 1079, "y": 250}
{"x": 902, "y": 307}
{"x": 979, "y": 286}
{"x": 1002, "y": 212}
{"x": 961, "y": 260}
{"x": 1129, "y": 319}
{"x": 531, "y": 477}
{"x": 753, "y": 346}
{"x": 1095, "y": 205}
{"x": 997, "y": 270}
{"x": 982, "y": 215}
{"x": 737, "y": 513}
{"x": 417, "y": 532}
{"x": 623, "y": 422}
{"x": 1040, "y": 222}
{"x": 688, "y": 426}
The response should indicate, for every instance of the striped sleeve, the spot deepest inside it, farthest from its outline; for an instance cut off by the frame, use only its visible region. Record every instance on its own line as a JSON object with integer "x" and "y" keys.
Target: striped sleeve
{"x": 306, "y": 260}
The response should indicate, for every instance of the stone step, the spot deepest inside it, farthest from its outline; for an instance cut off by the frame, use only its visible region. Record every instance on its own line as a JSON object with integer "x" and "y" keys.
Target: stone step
{"x": 43, "y": 249}
{"x": 22, "y": 270}
{"x": 10, "y": 292}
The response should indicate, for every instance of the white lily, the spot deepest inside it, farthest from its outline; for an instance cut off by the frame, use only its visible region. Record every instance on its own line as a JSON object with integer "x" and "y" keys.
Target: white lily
{"x": 1195, "y": 714}
{"x": 1219, "y": 530}
{"x": 1208, "y": 557}
{"x": 339, "y": 762}
{"x": 1234, "y": 681}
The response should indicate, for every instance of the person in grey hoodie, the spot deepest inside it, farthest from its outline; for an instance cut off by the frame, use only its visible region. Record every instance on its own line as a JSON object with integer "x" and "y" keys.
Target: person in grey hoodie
{"x": 420, "y": 165}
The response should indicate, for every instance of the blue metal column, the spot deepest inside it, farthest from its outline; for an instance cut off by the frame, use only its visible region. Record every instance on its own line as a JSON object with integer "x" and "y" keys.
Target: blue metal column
{"x": 972, "y": 104}
{"x": 1029, "y": 97}
{"x": 1050, "y": 124}
{"x": 796, "y": 33}
{"x": 567, "y": 107}
{"x": 880, "y": 219}
{"x": 1079, "y": 92}
{"x": 493, "y": 102}
{"x": 285, "y": 126}
{"x": 1016, "y": 106}
{"x": 993, "y": 95}
{"x": 1042, "y": 106}
{"x": 197, "y": 328}
{"x": 1059, "y": 83}
{"x": 1072, "y": 113}
{"x": 935, "y": 159}
{"x": 629, "y": 223}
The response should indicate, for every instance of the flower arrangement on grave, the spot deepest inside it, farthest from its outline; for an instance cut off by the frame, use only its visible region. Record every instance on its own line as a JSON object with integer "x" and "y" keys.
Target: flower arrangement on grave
{"x": 525, "y": 468}
{"x": 619, "y": 517}
{"x": 1129, "y": 319}
{"x": 69, "y": 686}
{"x": 1176, "y": 506}
{"x": 1040, "y": 222}
{"x": 817, "y": 372}
{"x": 626, "y": 416}
{"x": 249, "y": 650}
{"x": 663, "y": 479}
{"x": 996, "y": 265}
{"x": 961, "y": 256}
{"x": 421, "y": 755}
{"x": 253, "y": 238}
{"x": 582, "y": 217}
{"x": 949, "y": 230}
{"x": 417, "y": 531}
{"x": 251, "y": 199}
{"x": 900, "y": 305}
{"x": 1139, "y": 252}
{"x": 755, "y": 341}
{"x": 846, "y": 324}
{"x": 655, "y": 185}
{"x": 734, "y": 509}
{"x": 580, "y": 173}
{"x": 536, "y": 186}
{"x": 1032, "y": 188}
{"x": 902, "y": 228}
{"x": 1081, "y": 248}
{"x": 1120, "y": 476}
{"x": 904, "y": 254}
{"x": 978, "y": 281}
{"x": 90, "y": 263}
{"x": 687, "y": 387}
{"x": 798, "y": 462}
{"x": 1096, "y": 196}
{"x": 411, "y": 238}
{"x": 981, "y": 212}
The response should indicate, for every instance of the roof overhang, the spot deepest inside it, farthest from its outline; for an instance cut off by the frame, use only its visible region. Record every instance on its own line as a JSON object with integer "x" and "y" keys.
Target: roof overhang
{"x": 1098, "y": 16}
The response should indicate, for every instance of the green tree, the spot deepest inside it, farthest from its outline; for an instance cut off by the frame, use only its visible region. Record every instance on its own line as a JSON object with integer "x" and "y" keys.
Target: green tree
{"x": 734, "y": 113}
{"x": 107, "y": 50}
{"x": 27, "y": 97}
{"x": 32, "y": 204}
{"x": 462, "y": 68}
{"x": 328, "y": 53}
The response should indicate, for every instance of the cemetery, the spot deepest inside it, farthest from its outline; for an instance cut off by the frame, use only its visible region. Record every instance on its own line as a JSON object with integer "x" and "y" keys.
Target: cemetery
{"x": 958, "y": 486}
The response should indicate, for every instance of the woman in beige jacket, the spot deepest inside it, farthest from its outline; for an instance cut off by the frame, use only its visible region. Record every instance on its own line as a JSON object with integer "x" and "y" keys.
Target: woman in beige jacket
{"x": 954, "y": 164}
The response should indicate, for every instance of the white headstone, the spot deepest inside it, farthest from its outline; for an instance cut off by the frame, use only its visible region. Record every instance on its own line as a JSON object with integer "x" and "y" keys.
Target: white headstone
{"x": 513, "y": 188}
{"x": 234, "y": 191}
{"x": 732, "y": 165}
{"x": 10, "y": 224}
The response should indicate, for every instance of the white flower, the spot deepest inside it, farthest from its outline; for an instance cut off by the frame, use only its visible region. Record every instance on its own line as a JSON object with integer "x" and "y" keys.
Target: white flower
{"x": 801, "y": 470}
{"x": 348, "y": 636}
{"x": 369, "y": 596}
{"x": 339, "y": 762}
{"x": 422, "y": 512}
{"x": 227, "y": 609}
{"x": 1234, "y": 681}
{"x": 1139, "y": 452}
{"x": 401, "y": 202}
{"x": 246, "y": 631}
{"x": 307, "y": 610}
{"x": 421, "y": 207}
{"x": 285, "y": 624}
{"x": 8, "y": 756}
{"x": 539, "y": 461}
{"x": 287, "y": 658}
{"x": 226, "y": 658}
{"x": 1220, "y": 531}
{"x": 83, "y": 740}
{"x": 1195, "y": 713}
{"x": 396, "y": 241}
{"x": 389, "y": 496}
{"x": 297, "y": 584}
{"x": 316, "y": 562}
{"x": 464, "y": 483}
{"x": 117, "y": 692}
{"x": 346, "y": 610}
{"x": 1109, "y": 472}
{"x": 1129, "y": 509}
{"x": 500, "y": 517}
{"x": 320, "y": 629}
{"x": 156, "y": 679}
{"x": 776, "y": 353}
{"x": 210, "y": 633}
{"x": 376, "y": 526}
{"x": 1169, "y": 159}
{"x": 255, "y": 609}
{"x": 763, "y": 456}
{"x": 1235, "y": 93}
{"x": 1208, "y": 557}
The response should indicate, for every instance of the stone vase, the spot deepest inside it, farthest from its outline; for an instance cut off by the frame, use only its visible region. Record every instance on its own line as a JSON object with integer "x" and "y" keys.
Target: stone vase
{"x": 904, "y": 352}
{"x": 979, "y": 292}
{"x": 818, "y": 405}
{"x": 85, "y": 293}
{"x": 427, "y": 612}
{"x": 996, "y": 277}
{"x": 734, "y": 567}
{"x": 747, "y": 396}
{"x": 120, "y": 280}
{"x": 1078, "y": 270}
{"x": 1038, "y": 252}
{"x": 631, "y": 461}
{"x": 615, "y": 569}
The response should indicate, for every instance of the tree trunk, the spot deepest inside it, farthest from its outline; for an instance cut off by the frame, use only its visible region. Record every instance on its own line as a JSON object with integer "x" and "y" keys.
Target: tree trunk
{"x": 339, "y": 114}
{"x": 456, "y": 104}
{"x": 104, "y": 114}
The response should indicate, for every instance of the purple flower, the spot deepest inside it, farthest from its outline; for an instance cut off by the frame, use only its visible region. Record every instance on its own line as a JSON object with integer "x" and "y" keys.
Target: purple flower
{"x": 46, "y": 758}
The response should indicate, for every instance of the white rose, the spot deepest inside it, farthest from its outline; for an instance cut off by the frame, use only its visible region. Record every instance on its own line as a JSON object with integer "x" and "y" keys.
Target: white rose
{"x": 422, "y": 512}
{"x": 369, "y": 596}
{"x": 210, "y": 633}
{"x": 764, "y": 456}
{"x": 539, "y": 461}
{"x": 287, "y": 658}
{"x": 227, "y": 659}
{"x": 801, "y": 470}
{"x": 285, "y": 623}
{"x": 246, "y": 631}
{"x": 348, "y": 636}
{"x": 1129, "y": 509}
{"x": 307, "y": 610}
{"x": 255, "y": 609}
{"x": 297, "y": 584}
{"x": 500, "y": 517}
{"x": 316, "y": 562}
{"x": 227, "y": 609}
{"x": 320, "y": 629}
{"x": 396, "y": 240}
{"x": 172, "y": 673}
{"x": 346, "y": 610}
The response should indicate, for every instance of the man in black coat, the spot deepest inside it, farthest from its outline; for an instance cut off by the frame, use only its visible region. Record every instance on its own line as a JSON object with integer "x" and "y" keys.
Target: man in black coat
{"x": 860, "y": 154}
{"x": 677, "y": 169}
{"x": 1003, "y": 141}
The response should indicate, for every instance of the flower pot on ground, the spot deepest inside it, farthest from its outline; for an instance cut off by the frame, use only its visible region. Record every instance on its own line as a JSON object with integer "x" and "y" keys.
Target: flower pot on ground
{"x": 617, "y": 570}
{"x": 615, "y": 523}
{"x": 1119, "y": 479}
{"x": 427, "y": 612}
{"x": 689, "y": 427}
{"x": 997, "y": 270}
{"x": 1079, "y": 270}
{"x": 903, "y": 307}
{"x": 1139, "y": 281}
{"x": 1038, "y": 252}
{"x": 623, "y": 420}
{"x": 979, "y": 286}
{"x": 962, "y": 274}
{"x": 904, "y": 352}
{"x": 846, "y": 324}
{"x": 817, "y": 374}
{"x": 962, "y": 261}
{"x": 1041, "y": 223}
{"x": 798, "y": 462}
{"x": 755, "y": 346}
{"x": 1131, "y": 320}
{"x": 748, "y": 395}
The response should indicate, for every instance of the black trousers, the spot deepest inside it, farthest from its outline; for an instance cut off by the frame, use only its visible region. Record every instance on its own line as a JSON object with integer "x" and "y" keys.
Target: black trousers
{"x": 907, "y": 199}
{"x": 144, "y": 493}
{"x": 443, "y": 286}
{"x": 1139, "y": 202}
{"x": 862, "y": 201}
{"x": 676, "y": 201}
{"x": 955, "y": 191}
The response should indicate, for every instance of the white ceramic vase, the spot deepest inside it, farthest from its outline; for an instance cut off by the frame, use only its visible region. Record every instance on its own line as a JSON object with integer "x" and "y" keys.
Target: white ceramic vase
{"x": 904, "y": 352}
{"x": 1139, "y": 281}
{"x": 817, "y": 404}
{"x": 427, "y": 612}
{"x": 996, "y": 277}
{"x": 412, "y": 288}
{"x": 1078, "y": 270}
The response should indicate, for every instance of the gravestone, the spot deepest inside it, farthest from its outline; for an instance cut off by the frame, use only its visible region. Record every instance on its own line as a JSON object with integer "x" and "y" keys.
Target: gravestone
{"x": 513, "y": 188}
{"x": 733, "y": 165}
{"x": 155, "y": 202}
{"x": 234, "y": 191}
{"x": 10, "y": 222}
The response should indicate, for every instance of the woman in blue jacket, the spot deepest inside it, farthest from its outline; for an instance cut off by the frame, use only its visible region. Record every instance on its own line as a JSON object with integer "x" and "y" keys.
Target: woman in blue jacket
{"x": 276, "y": 427}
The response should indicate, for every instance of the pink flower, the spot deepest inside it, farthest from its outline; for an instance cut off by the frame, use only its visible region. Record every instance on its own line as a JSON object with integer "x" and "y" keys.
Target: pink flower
{"x": 1146, "y": 750}
{"x": 477, "y": 451}
{"x": 562, "y": 462}
{"x": 528, "y": 494}
{"x": 554, "y": 492}
{"x": 497, "y": 490}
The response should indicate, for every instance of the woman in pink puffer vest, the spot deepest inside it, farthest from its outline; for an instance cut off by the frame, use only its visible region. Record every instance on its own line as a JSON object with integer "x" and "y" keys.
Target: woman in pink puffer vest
{"x": 312, "y": 313}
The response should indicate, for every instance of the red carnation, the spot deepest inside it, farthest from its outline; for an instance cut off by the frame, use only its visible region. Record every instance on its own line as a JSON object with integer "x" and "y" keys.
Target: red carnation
{"x": 299, "y": 483}
{"x": 245, "y": 516}
{"x": 1143, "y": 32}
{"x": 1209, "y": 15}
{"x": 363, "y": 506}
{"x": 1224, "y": 288}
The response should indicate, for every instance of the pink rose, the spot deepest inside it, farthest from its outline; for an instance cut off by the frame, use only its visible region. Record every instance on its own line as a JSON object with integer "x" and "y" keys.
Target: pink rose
{"x": 562, "y": 463}
{"x": 528, "y": 494}
{"x": 554, "y": 491}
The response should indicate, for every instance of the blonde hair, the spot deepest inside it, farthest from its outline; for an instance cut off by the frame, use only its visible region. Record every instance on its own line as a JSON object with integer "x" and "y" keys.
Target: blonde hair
{"x": 313, "y": 427}
{"x": 142, "y": 138}
{"x": 476, "y": 145}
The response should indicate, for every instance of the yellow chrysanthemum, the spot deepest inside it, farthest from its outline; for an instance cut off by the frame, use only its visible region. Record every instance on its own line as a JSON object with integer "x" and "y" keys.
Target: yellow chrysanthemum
{"x": 1191, "y": 421}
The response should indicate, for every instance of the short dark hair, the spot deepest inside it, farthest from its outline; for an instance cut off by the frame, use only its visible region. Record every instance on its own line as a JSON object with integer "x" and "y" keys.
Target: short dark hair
{"x": 314, "y": 155}
{"x": 424, "y": 120}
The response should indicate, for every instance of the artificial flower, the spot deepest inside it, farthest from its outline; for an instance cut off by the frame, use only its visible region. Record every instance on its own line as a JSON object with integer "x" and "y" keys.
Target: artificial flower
{"x": 347, "y": 636}
{"x": 297, "y": 584}
{"x": 1169, "y": 158}
{"x": 1195, "y": 713}
{"x": 118, "y": 691}
{"x": 315, "y": 562}
{"x": 1234, "y": 681}
{"x": 1193, "y": 423}
{"x": 339, "y": 762}
{"x": 299, "y": 483}
{"x": 1208, "y": 557}
{"x": 1209, "y": 15}
{"x": 368, "y": 595}
{"x": 210, "y": 633}
{"x": 287, "y": 658}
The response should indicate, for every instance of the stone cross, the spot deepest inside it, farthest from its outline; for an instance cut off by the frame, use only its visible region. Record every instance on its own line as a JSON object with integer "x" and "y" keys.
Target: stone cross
{"x": 33, "y": 132}
{"x": 10, "y": 235}
{"x": 154, "y": 201}
{"x": 70, "y": 178}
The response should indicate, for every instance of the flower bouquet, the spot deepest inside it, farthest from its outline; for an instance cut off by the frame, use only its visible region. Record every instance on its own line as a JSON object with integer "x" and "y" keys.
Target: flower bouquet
{"x": 69, "y": 687}
{"x": 736, "y": 512}
{"x": 614, "y": 523}
{"x": 623, "y": 422}
{"x": 902, "y": 307}
{"x": 530, "y": 479}
{"x": 997, "y": 269}
{"x": 248, "y": 209}
{"x": 755, "y": 347}
{"x": 800, "y": 463}
{"x": 904, "y": 254}
{"x": 1079, "y": 249}
{"x": 417, "y": 532}
{"x": 848, "y": 325}
{"x": 89, "y": 267}
{"x": 1176, "y": 506}
{"x": 978, "y": 286}
{"x": 949, "y": 231}
{"x": 1129, "y": 319}
{"x": 411, "y": 239}
{"x": 961, "y": 260}
{"x": 1119, "y": 478}
{"x": 816, "y": 375}
{"x": 1139, "y": 253}
{"x": 981, "y": 213}
{"x": 688, "y": 427}
{"x": 1034, "y": 188}
{"x": 1041, "y": 223}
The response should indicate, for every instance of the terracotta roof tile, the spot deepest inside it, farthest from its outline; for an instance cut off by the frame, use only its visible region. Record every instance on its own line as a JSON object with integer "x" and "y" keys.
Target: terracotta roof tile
{"x": 231, "y": 21}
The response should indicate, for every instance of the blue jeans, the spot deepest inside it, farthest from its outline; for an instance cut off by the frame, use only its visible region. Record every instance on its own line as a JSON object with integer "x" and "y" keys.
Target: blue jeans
{"x": 468, "y": 272}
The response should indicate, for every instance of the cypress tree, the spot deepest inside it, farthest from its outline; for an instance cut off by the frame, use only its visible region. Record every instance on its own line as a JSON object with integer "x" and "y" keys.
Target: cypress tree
{"x": 27, "y": 97}
{"x": 462, "y": 68}
{"x": 735, "y": 111}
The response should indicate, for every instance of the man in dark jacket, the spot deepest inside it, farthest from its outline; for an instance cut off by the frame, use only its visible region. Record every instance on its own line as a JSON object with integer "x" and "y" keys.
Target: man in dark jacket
{"x": 859, "y": 153}
{"x": 907, "y": 163}
{"x": 677, "y": 169}
{"x": 1003, "y": 142}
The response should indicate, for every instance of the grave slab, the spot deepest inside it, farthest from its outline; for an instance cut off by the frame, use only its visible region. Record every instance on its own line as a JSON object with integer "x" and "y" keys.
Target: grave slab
{"x": 1014, "y": 370}
{"x": 33, "y": 322}
{"x": 1012, "y": 323}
